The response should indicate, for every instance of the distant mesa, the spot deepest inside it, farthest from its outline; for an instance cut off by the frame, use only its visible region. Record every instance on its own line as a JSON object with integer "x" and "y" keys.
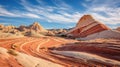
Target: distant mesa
{"x": 88, "y": 26}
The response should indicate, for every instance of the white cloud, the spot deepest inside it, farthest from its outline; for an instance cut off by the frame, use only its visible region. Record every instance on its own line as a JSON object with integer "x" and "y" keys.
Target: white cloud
{"x": 4, "y": 23}
{"x": 31, "y": 15}
{"x": 105, "y": 11}
{"x": 62, "y": 5}
{"x": 88, "y": 0}
{"x": 63, "y": 17}
{"x": 4, "y": 12}
{"x": 47, "y": 12}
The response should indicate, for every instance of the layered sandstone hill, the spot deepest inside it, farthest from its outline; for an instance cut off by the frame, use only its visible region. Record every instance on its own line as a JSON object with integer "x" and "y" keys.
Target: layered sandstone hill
{"x": 88, "y": 28}
{"x": 87, "y": 25}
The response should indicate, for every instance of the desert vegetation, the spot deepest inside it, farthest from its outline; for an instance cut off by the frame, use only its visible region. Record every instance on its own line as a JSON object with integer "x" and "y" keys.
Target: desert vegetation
{"x": 12, "y": 52}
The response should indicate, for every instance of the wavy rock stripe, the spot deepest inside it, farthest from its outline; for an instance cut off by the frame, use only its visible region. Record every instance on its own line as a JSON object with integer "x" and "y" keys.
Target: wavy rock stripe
{"x": 88, "y": 57}
{"x": 25, "y": 60}
{"x": 22, "y": 45}
{"x": 38, "y": 47}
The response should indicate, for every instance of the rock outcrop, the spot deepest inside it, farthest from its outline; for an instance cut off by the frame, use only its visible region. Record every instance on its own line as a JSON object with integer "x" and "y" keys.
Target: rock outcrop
{"x": 32, "y": 33}
{"x": 37, "y": 27}
{"x": 8, "y": 29}
{"x": 107, "y": 34}
{"x": 32, "y": 30}
{"x": 22, "y": 28}
{"x": 118, "y": 29}
{"x": 87, "y": 25}
{"x": 1, "y": 26}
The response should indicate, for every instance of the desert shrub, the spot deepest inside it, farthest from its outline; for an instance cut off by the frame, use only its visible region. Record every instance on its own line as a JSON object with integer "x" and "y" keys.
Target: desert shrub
{"x": 42, "y": 48}
{"x": 1, "y": 28}
{"x": 13, "y": 46}
{"x": 45, "y": 37}
{"x": 43, "y": 33}
{"x": 104, "y": 42}
{"x": 61, "y": 35}
{"x": 12, "y": 52}
{"x": 76, "y": 43}
{"x": 52, "y": 48}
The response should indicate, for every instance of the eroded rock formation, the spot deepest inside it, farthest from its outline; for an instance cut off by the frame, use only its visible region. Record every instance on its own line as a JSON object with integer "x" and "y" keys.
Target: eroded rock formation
{"x": 87, "y": 25}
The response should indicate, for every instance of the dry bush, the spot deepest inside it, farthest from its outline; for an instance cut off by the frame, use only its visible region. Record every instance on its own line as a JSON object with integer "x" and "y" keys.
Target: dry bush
{"x": 13, "y": 46}
{"x": 12, "y": 52}
{"x": 42, "y": 48}
{"x": 52, "y": 48}
{"x": 76, "y": 42}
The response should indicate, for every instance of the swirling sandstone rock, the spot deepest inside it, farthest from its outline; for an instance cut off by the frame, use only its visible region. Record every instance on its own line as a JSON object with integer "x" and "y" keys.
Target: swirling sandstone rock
{"x": 87, "y": 25}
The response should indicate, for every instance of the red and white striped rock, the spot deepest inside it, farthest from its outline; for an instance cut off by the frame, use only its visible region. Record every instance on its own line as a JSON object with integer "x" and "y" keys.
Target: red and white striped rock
{"x": 87, "y": 25}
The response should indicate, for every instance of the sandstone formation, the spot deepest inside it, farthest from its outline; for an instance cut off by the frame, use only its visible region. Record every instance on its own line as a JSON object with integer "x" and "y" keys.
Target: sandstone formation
{"x": 10, "y": 35}
{"x": 50, "y": 33}
{"x": 37, "y": 27}
{"x": 118, "y": 29}
{"x": 32, "y": 33}
{"x": 50, "y": 51}
{"x": 107, "y": 34}
{"x": 33, "y": 30}
{"x": 1, "y": 26}
{"x": 22, "y": 28}
{"x": 87, "y": 25}
{"x": 55, "y": 52}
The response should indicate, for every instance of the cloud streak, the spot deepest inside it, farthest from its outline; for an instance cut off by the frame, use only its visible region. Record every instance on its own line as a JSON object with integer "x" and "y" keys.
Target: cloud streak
{"x": 4, "y": 12}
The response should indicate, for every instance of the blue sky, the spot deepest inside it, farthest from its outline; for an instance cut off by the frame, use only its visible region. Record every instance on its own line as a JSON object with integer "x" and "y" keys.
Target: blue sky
{"x": 58, "y": 13}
